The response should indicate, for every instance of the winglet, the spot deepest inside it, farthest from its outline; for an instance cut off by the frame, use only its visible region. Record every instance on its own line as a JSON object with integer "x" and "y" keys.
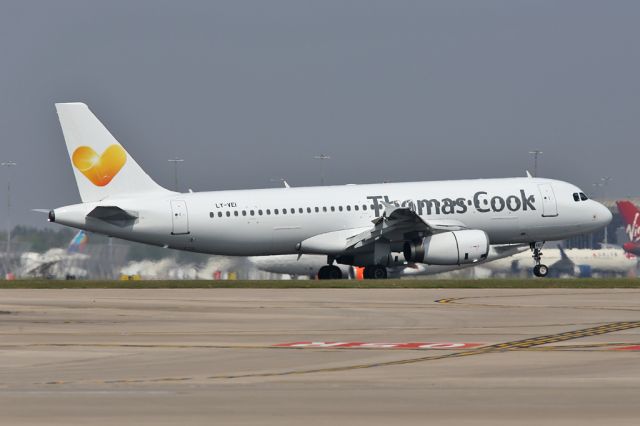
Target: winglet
{"x": 528, "y": 174}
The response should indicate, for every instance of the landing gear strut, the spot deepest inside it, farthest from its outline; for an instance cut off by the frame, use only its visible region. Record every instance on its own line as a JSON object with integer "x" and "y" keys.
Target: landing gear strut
{"x": 375, "y": 272}
{"x": 539, "y": 270}
{"x": 330, "y": 272}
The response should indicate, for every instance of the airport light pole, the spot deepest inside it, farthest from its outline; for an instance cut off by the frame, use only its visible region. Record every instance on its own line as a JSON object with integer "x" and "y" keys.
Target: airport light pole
{"x": 322, "y": 158}
{"x": 175, "y": 162}
{"x": 535, "y": 154}
{"x": 8, "y": 165}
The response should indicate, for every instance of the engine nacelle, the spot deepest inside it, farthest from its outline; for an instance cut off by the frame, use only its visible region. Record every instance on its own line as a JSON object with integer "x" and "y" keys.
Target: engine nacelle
{"x": 449, "y": 248}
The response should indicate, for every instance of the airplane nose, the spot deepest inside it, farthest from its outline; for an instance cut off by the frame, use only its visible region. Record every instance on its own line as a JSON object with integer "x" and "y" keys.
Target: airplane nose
{"x": 602, "y": 215}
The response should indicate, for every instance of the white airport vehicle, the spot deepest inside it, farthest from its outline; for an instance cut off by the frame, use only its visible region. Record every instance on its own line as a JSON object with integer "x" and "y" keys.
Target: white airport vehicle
{"x": 309, "y": 264}
{"x": 375, "y": 226}
{"x": 607, "y": 260}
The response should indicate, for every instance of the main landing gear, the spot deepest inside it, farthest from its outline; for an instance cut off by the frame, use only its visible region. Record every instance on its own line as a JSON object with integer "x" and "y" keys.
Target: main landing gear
{"x": 375, "y": 272}
{"x": 372, "y": 272}
{"x": 329, "y": 272}
{"x": 539, "y": 270}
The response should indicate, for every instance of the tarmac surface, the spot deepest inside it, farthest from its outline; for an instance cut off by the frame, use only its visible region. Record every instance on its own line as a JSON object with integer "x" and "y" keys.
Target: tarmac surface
{"x": 319, "y": 356}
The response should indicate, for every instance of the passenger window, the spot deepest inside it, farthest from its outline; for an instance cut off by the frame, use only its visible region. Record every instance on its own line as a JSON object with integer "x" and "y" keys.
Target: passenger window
{"x": 260, "y": 212}
{"x": 244, "y": 212}
{"x": 576, "y": 197}
{"x": 293, "y": 211}
{"x": 268, "y": 211}
{"x": 583, "y": 197}
{"x": 333, "y": 209}
{"x": 317, "y": 210}
{"x": 356, "y": 207}
{"x": 364, "y": 207}
{"x": 275, "y": 211}
{"x": 284, "y": 211}
{"x": 235, "y": 212}
{"x": 300, "y": 210}
{"x": 340, "y": 208}
{"x": 348, "y": 208}
{"x": 210, "y": 214}
{"x": 324, "y": 209}
{"x": 308, "y": 209}
{"x": 228, "y": 214}
{"x": 219, "y": 214}
{"x": 252, "y": 212}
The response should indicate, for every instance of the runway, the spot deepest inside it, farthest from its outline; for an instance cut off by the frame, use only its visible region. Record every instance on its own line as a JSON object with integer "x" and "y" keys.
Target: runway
{"x": 287, "y": 356}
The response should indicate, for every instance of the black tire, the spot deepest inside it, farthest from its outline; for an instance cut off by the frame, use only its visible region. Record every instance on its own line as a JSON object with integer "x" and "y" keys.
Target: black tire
{"x": 324, "y": 272}
{"x": 543, "y": 270}
{"x": 335, "y": 273}
{"x": 536, "y": 270}
{"x": 379, "y": 272}
{"x": 367, "y": 272}
{"x": 375, "y": 272}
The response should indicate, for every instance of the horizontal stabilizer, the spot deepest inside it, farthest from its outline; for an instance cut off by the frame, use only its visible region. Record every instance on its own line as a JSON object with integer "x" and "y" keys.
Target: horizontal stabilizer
{"x": 113, "y": 214}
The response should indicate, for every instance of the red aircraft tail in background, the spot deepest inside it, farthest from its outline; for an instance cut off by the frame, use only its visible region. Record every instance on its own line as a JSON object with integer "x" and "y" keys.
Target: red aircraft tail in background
{"x": 631, "y": 218}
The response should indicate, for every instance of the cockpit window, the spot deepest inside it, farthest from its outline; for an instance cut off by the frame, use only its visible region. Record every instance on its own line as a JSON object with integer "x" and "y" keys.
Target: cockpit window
{"x": 576, "y": 197}
{"x": 583, "y": 197}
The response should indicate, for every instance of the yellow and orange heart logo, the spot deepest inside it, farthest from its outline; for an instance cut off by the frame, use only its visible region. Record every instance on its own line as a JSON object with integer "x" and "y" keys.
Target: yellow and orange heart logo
{"x": 99, "y": 169}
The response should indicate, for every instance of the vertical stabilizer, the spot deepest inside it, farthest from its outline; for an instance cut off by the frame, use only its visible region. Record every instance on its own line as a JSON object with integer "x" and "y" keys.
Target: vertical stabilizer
{"x": 102, "y": 167}
{"x": 631, "y": 217}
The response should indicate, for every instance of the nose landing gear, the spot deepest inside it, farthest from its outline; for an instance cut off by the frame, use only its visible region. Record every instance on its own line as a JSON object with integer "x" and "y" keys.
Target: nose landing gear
{"x": 539, "y": 270}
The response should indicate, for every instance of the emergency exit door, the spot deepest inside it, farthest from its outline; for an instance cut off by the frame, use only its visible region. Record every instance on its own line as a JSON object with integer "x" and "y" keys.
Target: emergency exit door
{"x": 179, "y": 217}
{"x": 549, "y": 205}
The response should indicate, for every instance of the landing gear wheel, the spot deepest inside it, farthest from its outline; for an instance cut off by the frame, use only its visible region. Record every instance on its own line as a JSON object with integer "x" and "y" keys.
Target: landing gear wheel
{"x": 329, "y": 272}
{"x": 540, "y": 270}
{"x": 335, "y": 273}
{"x": 375, "y": 272}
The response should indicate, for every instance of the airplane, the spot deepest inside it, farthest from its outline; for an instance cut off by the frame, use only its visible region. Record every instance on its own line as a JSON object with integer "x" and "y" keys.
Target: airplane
{"x": 310, "y": 264}
{"x": 610, "y": 259}
{"x": 48, "y": 264}
{"x": 375, "y": 226}
{"x": 631, "y": 217}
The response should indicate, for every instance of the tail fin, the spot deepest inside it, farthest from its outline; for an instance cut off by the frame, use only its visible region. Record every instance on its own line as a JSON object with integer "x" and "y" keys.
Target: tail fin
{"x": 101, "y": 165}
{"x": 631, "y": 217}
{"x": 78, "y": 243}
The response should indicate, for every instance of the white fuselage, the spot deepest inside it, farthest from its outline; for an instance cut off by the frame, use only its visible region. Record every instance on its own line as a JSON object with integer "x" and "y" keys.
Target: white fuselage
{"x": 253, "y": 222}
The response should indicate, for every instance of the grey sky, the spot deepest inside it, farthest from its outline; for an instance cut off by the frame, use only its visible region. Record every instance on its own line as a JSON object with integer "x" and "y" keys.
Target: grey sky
{"x": 248, "y": 91}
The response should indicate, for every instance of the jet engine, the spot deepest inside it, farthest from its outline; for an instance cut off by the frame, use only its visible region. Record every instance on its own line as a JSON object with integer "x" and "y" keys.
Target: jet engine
{"x": 449, "y": 248}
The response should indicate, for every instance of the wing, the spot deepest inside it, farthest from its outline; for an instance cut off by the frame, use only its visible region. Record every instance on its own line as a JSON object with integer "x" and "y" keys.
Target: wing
{"x": 396, "y": 225}
{"x": 401, "y": 224}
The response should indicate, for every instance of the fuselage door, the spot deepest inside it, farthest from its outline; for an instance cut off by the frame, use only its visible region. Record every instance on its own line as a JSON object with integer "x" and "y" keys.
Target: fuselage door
{"x": 179, "y": 217}
{"x": 549, "y": 205}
